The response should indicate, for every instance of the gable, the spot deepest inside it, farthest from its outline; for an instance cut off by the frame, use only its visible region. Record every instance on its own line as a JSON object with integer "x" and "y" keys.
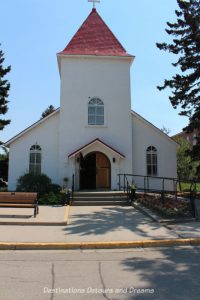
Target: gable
{"x": 96, "y": 141}
{"x": 154, "y": 128}
{"x": 30, "y": 128}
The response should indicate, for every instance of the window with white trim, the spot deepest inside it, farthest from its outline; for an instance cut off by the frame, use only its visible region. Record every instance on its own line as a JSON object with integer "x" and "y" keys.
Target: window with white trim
{"x": 194, "y": 139}
{"x": 35, "y": 159}
{"x": 152, "y": 161}
{"x": 95, "y": 112}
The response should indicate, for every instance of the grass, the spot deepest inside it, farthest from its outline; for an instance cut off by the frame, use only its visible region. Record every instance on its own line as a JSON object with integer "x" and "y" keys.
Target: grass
{"x": 3, "y": 189}
{"x": 185, "y": 187}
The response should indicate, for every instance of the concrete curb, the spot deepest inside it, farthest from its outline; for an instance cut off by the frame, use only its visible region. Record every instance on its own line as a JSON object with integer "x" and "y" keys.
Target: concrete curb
{"x": 99, "y": 245}
{"x": 34, "y": 223}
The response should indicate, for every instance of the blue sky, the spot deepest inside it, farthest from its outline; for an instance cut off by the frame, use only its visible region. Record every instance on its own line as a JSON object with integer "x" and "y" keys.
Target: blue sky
{"x": 33, "y": 31}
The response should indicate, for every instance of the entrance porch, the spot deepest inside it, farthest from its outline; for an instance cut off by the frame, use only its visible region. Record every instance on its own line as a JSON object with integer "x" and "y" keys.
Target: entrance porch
{"x": 96, "y": 166}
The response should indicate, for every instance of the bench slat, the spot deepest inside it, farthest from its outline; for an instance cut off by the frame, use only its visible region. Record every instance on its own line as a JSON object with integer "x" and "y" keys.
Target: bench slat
{"x": 17, "y": 201}
{"x": 16, "y": 205}
{"x": 18, "y": 194}
{"x": 16, "y": 197}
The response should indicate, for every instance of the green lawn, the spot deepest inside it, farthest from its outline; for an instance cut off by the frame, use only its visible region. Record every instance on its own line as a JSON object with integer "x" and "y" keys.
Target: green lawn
{"x": 186, "y": 186}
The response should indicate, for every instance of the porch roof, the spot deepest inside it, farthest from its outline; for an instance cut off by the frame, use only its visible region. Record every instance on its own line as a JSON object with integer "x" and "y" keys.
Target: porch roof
{"x": 96, "y": 141}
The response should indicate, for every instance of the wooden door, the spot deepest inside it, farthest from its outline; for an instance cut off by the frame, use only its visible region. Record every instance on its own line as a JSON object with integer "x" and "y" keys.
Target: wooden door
{"x": 102, "y": 171}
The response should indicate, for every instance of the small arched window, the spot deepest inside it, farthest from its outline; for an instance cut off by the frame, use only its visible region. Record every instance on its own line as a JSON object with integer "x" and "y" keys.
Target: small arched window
{"x": 194, "y": 139}
{"x": 95, "y": 112}
{"x": 35, "y": 159}
{"x": 152, "y": 161}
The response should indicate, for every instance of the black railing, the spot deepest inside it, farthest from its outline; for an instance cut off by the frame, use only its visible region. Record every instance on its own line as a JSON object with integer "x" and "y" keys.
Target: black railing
{"x": 159, "y": 185}
{"x": 73, "y": 186}
{"x": 193, "y": 193}
{"x": 145, "y": 182}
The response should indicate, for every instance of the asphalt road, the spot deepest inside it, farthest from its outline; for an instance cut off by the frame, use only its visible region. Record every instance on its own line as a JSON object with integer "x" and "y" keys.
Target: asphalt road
{"x": 165, "y": 273}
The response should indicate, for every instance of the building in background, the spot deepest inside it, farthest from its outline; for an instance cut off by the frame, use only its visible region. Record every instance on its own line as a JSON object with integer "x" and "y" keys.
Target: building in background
{"x": 191, "y": 137}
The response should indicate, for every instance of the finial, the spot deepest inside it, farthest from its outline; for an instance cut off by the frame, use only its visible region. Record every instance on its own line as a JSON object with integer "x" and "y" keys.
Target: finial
{"x": 94, "y": 1}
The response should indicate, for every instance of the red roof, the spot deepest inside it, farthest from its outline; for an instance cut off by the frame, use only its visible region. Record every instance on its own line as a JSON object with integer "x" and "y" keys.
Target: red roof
{"x": 94, "y": 38}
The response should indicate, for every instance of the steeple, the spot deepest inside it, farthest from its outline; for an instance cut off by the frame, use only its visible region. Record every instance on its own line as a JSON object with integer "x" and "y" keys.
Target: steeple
{"x": 94, "y": 38}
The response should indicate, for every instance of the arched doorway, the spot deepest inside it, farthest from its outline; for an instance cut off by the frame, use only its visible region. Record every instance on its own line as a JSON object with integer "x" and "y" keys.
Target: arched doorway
{"x": 95, "y": 171}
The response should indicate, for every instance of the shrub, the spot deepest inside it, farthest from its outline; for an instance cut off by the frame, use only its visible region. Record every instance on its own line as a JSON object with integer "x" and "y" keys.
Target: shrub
{"x": 54, "y": 188}
{"x": 3, "y": 189}
{"x": 52, "y": 199}
{"x": 3, "y": 184}
{"x": 30, "y": 182}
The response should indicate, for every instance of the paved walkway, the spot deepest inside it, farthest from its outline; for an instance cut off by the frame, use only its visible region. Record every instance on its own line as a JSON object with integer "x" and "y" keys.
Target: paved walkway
{"x": 88, "y": 224}
{"x": 49, "y": 215}
{"x": 112, "y": 223}
{"x": 85, "y": 224}
{"x": 187, "y": 230}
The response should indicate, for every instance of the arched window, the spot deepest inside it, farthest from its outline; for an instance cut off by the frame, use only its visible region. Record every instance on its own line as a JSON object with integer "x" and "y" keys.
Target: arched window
{"x": 95, "y": 112}
{"x": 152, "y": 161}
{"x": 35, "y": 159}
{"x": 194, "y": 139}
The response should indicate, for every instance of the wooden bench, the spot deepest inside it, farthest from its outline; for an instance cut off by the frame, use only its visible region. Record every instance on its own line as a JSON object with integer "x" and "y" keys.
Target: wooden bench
{"x": 19, "y": 200}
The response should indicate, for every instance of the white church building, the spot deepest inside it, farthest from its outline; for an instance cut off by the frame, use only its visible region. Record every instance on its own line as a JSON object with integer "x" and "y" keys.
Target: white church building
{"x": 94, "y": 135}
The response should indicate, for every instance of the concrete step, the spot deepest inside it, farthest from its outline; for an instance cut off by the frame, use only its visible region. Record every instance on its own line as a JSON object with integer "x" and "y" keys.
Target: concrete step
{"x": 99, "y": 203}
{"x": 98, "y": 194}
{"x": 100, "y": 198}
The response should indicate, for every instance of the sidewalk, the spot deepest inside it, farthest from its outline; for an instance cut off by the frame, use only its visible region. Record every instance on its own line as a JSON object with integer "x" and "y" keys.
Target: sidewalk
{"x": 96, "y": 225}
{"x": 48, "y": 216}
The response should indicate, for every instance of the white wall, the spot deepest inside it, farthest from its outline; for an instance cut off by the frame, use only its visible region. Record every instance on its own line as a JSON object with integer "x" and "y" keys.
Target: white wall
{"x": 82, "y": 79}
{"x": 145, "y": 135}
{"x": 46, "y": 136}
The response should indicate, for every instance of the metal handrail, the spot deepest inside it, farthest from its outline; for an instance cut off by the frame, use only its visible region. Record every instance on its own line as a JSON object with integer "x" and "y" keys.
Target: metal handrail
{"x": 193, "y": 187}
{"x": 146, "y": 185}
{"x": 73, "y": 186}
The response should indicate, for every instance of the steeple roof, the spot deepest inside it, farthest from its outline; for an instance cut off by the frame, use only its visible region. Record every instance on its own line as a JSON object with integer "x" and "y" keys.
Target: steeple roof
{"x": 94, "y": 38}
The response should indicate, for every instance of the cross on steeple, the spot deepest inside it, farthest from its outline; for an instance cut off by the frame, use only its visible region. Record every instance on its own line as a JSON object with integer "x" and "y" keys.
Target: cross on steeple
{"x": 94, "y": 1}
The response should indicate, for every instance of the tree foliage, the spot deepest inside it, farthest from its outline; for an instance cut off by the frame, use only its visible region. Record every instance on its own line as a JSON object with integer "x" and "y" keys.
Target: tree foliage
{"x": 4, "y": 157}
{"x": 165, "y": 130}
{"x": 4, "y": 91}
{"x": 186, "y": 167}
{"x": 50, "y": 109}
{"x": 185, "y": 85}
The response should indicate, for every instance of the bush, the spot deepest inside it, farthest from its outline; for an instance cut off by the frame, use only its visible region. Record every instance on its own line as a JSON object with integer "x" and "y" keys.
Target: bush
{"x": 3, "y": 189}
{"x": 54, "y": 188}
{"x": 3, "y": 184}
{"x": 30, "y": 182}
{"x": 52, "y": 199}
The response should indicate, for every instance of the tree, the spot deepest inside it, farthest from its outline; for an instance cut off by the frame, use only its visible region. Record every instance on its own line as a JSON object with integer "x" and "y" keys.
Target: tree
{"x": 4, "y": 91}
{"x": 186, "y": 168}
{"x": 165, "y": 130}
{"x": 4, "y": 157}
{"x": 50, "y": 109}
{"x": 186, "y": 44}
